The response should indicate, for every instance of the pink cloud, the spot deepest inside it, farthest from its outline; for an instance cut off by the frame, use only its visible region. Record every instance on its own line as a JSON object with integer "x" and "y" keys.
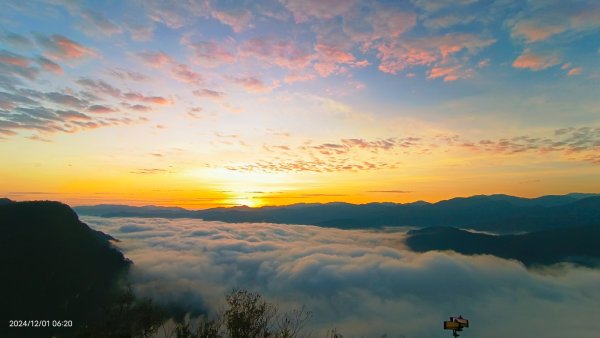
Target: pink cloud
{"x": 331, "y": 60}
{"x": 14, "y": 59}
{"x": 49, "y": 65}
{"x": 536, "y": 30}
{"x": 574, "y": 71}
{"x": 238, "y": 20}
{"x": 333, "y": 54}
{"x": 283, "y": 53}
{"x": 155, "y": 59}
{"x": 210, "y": 53}
{"x": 212, "y": 94}
{"x": 435, "y": 50}
{"x": 320, "y": 9}
{"x": 180, "y": 72}
{"x": 552, "y": 18}
{"x": 62, "y": 48}
{"x": 394, "y": 58}
{"x": 327, "y": 69}
{"x": 255, "y": 85}
{"x": 147, "y": 99}
{"x": 535, "y": 61}
{"x": 140, "y": 32}
{"x": 388, "y": 22}
{"x": 185, "y": 74}
{"x": 450, "y": 73}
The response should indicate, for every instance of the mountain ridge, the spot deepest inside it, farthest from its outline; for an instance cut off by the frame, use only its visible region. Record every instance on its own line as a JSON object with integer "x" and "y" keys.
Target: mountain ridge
{"x": 496, "y": 213}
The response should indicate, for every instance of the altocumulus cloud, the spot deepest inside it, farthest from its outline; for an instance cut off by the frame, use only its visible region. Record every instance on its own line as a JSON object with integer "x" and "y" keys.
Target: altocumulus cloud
{"x": 362, "y": 282}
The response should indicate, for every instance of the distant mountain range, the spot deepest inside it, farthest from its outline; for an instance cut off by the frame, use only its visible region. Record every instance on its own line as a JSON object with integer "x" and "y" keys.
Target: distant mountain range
{"x": 493, "y": 213}
{"x": 577, "y": 245}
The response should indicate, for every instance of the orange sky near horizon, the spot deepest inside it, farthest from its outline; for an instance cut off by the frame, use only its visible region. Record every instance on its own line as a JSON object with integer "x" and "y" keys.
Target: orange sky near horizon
{"x": 202, "y": 104}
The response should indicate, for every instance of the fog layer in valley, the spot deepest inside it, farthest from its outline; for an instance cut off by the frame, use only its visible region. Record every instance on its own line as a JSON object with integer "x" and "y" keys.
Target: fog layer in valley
{"x": 360, "y": 282}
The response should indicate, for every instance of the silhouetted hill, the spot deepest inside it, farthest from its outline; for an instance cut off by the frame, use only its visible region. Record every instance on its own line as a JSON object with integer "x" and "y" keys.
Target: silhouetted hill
{"x": 495, "y": 213}
{"x": 115, "y": 210}
{"x": 578, "y": 245}
{"x": 54, "y": 267}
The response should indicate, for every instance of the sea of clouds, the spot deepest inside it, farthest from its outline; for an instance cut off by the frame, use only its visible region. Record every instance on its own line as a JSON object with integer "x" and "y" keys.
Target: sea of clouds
{"x": 364, "y": 283}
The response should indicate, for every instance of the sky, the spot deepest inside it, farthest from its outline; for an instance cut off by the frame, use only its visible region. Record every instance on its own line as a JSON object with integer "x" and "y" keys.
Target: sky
{"x": 364, "y": 283}
{"x": 218, "y": 103}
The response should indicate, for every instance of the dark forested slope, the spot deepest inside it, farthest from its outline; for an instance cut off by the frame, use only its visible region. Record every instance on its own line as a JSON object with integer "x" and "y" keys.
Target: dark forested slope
{"x": 577, "y": 245}
{"x": 54, "y": 267}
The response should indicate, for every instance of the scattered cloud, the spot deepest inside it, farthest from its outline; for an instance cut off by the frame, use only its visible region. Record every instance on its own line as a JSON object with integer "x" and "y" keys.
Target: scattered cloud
{"x": 436, "y": 52}
{"x": 58, "y": 47}
{"x": 450, "y": 73}
{"x": 155, "y": 59}
{"x": 28, "y": 115}
{"x": 15, "y": 40}
{"x": 14, "y": 64}
{"x": 437, "y": 5}
{"x": 572, "y": 143}
{"x": 103, "y": 88}
{"x": 185, "y": 74}
{"x": 544, "y": 20}
{"x": 100, "y": 109}
{"x": 124, "y": 74}
{"x": 276, "y": 51}
{"x": 210, "y": 53}
{"x": 99, "y": 22}
{"x": 575, "y": 143}
{"x": 237, "y": 19}
{"x": 66, "y": 100}
{"x": 574, "y": 71}
{"x": 209, "y": 93}
{"x": 535, "y": 60}
{"x": 255, "y": 85}
{"x": 49, "y": 65}
{"x": 331, "y": 60}
{"x": 319, "y": 9}
{"x": 149, "y": 171}
{"x": 147, "y": 99}
{"x": 99, "y": 86}
{"x": 317, "y": 166}
{"x": 178, "y": 71}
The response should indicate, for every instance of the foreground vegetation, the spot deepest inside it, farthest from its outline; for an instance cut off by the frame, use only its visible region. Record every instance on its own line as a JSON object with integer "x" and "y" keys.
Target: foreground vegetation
{"x": 247, "y": 315}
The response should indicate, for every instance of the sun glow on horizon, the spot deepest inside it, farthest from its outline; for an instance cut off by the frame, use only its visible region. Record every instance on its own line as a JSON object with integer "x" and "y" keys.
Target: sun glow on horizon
{"x": 219, "y": 104}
